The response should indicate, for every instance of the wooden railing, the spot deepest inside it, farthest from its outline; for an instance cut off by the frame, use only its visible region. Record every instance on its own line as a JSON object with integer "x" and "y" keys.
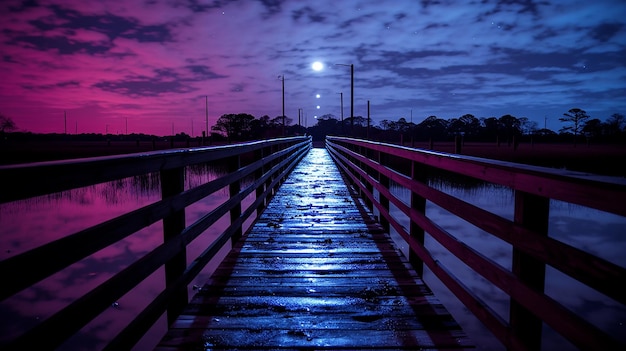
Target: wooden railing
{"x": 267, "y": 163}
{"x": 372, "y": 166}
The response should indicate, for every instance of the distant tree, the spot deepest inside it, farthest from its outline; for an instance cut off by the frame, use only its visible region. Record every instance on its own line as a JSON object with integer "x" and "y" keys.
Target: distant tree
{"x": 402, "y": 125}
{"x": 326, "y": 125}
{"x": 278, "y": 121}
{"x": 615, "y": 124}
{"x": 575, "y": 118}
{"x": 434, "y": 127}
{"x": 593, "y": 128}
{"x": 6, "y": 124}
{"x": 357, "y": 121}
{"x": 511, "y": 125}
{"x": 386, "y": 124}
{"x": 471, "y": 124}
{"x": 262, "y": 128}
{"x": 491, "y": 127}
{"x": 327, "y": 116}
{"x": 234, "y": 126}
{"x": 544, "y": 132}
{"x": 527, "y": 126}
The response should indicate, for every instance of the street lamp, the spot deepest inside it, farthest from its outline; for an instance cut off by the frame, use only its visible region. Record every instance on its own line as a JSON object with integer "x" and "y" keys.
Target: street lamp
{"x": 282, "y": 77}
{"x": 351, "y": 95}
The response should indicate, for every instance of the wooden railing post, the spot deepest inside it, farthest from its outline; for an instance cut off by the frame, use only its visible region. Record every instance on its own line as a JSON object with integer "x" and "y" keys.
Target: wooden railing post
{"x": 258, "y": 155}
{"x": 384, "y": 181}
{"x": 368, "y": 186}
{"x": 531, "y": 212}
{"x": 233, "y": 189}
{"x": 418, "y": 204}
{"x": 172, "y": 183}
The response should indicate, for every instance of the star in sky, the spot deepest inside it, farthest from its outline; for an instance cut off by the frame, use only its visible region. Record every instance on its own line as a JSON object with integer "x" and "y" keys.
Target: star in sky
{"x": 154, "y": 63}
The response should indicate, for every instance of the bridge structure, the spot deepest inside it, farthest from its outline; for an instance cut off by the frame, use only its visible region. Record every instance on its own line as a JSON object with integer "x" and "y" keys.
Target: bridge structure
{"x": 317, "y": 268}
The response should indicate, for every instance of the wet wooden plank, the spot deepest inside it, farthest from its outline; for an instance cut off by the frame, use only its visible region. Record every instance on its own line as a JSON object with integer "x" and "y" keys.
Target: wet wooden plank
{"x": 315, "y": 272}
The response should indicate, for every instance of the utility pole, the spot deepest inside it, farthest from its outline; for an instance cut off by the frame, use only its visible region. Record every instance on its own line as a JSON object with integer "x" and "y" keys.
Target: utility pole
{"x": 341, "y": 97}
{"x": 207, "y": 115}
{"x": 352, "y": 100}
{"x": 65, "y": 120}
{"x": 351, "y": 96}
{"x": 283, "y": 116}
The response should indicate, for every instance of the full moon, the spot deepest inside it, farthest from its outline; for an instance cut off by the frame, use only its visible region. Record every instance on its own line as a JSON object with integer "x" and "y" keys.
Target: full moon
{"x": 317, "y": 66}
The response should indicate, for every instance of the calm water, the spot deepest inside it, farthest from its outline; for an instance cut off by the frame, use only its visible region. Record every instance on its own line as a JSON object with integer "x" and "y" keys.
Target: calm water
{"x": 596, "y": 232}
{"x": 33, "y": 222}
{"x": 30, "y": 223}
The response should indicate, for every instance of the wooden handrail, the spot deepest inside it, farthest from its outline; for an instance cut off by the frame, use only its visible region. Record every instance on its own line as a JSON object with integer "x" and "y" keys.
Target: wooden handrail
{"x": 579, "y": 188}
{"x": 281, "y": 156}
{"x": 23, "y": 181}
{"x": 530, "y": 306}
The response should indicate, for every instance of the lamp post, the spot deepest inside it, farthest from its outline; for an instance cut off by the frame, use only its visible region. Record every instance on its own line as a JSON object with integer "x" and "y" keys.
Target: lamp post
{"x": 282, "y": 78}
{"x": 341, "y": 97}
{"x": 351, "y": 95}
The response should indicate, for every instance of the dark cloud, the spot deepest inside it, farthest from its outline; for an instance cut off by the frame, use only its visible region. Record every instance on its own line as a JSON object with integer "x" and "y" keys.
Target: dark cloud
{"x": 165, "y": 80}
{"x": 524, "y": 6}
{"x": 24, "y": 5}
{"x": 143, "y": 86}
{"x": 606, "y": 31}
{"x": 237, "y": 88}
{"x": 110, "y": 25}
{"x": 355, "y": 20}
{"x": 9, "y": 58}
{"x": 309, "y": 14}
{"x": 63, "y": 45}
{"x": 272, "y": 6}
{"x": 203, "y": 73}
{"x": 63, "y": 84}
{"x": 202, "y": 6}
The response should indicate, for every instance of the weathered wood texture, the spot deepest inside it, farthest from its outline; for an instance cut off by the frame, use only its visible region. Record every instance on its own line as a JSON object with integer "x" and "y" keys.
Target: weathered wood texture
{"x": 315, "y": 272}
{"x": 371, "y": 166}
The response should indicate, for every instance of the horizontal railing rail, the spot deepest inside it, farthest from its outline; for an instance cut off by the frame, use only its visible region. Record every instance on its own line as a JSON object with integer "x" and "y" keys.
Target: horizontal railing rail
{"x": 373, "y": 166}
{"x": 263, "y": 165}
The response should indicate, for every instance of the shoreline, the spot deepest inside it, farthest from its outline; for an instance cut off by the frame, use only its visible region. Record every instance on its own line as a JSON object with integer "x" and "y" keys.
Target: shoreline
{"x": 602, "y": 159}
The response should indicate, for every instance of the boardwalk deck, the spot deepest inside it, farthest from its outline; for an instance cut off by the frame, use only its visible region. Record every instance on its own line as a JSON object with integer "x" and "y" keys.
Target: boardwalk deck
{"x": 315, "y": 272}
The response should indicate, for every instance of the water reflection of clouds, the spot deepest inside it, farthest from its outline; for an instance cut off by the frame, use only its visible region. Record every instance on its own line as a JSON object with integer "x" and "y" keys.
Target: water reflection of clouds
{"x": 597, "y": 232}
{"x": 29, "y": 223}
{"x": 33, "y": 222}
{"x": 594, "y": 231}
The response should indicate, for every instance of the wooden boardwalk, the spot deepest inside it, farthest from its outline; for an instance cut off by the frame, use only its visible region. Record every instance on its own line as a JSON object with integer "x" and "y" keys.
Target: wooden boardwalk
{"x": 315, "y": 272}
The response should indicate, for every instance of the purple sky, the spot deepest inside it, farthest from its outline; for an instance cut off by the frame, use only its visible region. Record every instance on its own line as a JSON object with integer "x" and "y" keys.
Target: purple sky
{"x": 150, "y": 64}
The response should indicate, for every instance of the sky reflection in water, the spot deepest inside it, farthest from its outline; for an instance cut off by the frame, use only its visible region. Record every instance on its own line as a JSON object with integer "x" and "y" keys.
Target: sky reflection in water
{"x": 590, "y": 230}
{"x": 30, "y": 223}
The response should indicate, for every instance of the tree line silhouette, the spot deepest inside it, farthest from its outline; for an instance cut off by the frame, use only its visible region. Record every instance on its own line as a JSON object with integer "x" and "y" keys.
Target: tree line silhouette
{"x": 576, "y": 125}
